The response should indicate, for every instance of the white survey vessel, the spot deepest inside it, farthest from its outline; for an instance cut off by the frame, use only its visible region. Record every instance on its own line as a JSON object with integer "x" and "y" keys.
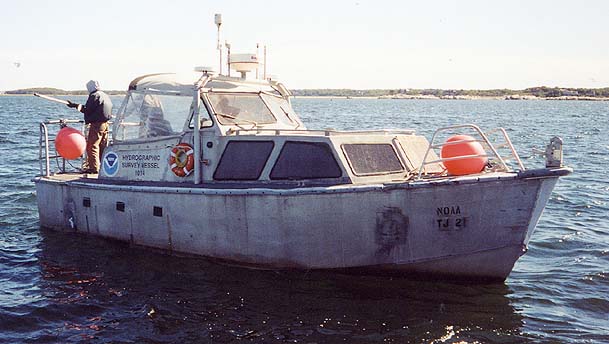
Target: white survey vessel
{"x": 223, "y": 167}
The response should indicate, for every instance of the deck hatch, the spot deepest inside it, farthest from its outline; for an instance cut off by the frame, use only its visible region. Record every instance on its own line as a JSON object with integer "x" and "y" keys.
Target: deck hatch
{"x": 157, "y": 211}
{"x": 86, "y": 202}
{"x": 120, "y": 206}
{"x": 305, "y": 160}
{"x": 243, "y": 160}
{"x": 372, "y": 158}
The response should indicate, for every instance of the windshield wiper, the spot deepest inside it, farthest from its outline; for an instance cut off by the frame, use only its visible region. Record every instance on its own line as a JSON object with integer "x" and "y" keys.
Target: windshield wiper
{"x": 235, "y": 119}
{"x": 289, "y": 117}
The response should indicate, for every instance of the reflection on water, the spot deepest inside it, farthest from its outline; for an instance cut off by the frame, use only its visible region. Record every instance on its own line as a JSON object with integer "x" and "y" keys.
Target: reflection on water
{"x": 107, "y": 286}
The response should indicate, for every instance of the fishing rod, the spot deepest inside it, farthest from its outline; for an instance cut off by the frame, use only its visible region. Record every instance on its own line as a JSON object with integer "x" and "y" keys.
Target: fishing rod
{"x": 51, "y": 98}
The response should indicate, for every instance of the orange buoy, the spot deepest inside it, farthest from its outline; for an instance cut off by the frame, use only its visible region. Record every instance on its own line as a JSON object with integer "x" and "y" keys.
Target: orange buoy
{"x": 467, "y": 165}
{"x": 70, "y": 143}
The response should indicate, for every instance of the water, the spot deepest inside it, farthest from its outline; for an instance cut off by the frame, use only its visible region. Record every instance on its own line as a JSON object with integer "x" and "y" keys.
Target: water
{"x": 57, "y": 287}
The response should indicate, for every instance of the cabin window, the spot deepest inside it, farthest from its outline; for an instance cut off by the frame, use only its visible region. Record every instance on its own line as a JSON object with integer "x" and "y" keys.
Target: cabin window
{"x": 305, "y": 160}
{"x": 281, "y": 109}
{"x": 243, "y": 160}
{"x": 368, "y": 159}
{"x": 206, "y": 122}
{"x": 242, "y": 109}
{"x": 152, "y": 115}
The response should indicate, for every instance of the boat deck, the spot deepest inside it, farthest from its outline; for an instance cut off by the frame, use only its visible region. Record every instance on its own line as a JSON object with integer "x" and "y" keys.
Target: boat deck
{"x": 93, "y": 179}
{"x": 286, "y": 186}
{"x": 69, "y": 177}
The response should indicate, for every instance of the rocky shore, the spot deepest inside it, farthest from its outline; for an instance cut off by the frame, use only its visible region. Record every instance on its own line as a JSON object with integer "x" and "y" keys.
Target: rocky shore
{"x": 510, "y": 97}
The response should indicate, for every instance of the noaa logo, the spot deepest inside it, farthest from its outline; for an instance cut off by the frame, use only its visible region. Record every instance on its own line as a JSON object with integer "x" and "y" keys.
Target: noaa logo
{"x": 110, "y": 164}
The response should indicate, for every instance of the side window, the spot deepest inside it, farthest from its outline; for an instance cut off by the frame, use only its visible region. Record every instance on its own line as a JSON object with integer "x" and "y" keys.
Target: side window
{"x": 169, "y": 115}
{"x": 305, "y": 160}
{"x": 243, "y": 160}
{"x": 368, "y": 159}
{"x": 129, "y": 124}
{"x": 153, "y": 115}
{"x": 281, "y": 108}
{"x": 206, "y": 122}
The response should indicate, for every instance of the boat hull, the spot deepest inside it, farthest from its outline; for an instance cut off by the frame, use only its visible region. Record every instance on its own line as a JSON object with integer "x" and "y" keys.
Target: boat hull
{"x": 470, "y": 227}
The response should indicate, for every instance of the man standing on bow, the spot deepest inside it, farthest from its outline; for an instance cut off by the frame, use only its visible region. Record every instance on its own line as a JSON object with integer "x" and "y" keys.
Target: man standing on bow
{"x": 98, "y": 111}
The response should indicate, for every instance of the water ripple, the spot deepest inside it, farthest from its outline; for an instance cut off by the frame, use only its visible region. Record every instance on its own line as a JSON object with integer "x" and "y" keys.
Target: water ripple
{"x": 57, "y": 287}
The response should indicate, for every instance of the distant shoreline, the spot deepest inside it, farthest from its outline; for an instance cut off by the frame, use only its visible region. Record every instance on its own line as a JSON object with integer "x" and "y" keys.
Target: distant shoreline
{"x": 532, "y": 93}
{"x": 428, "y": 97}
{"x": 53, "y": 94}
{"x": 388, "y": 97}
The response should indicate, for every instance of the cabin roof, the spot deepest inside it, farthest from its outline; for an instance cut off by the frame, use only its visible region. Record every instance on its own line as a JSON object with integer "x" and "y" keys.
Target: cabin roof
{"x": 165, "y": 82}
{"x": 187, "y": 84}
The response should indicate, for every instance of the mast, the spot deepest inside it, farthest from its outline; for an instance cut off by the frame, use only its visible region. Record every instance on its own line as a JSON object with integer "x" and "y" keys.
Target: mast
{"x": 218, "y": 21}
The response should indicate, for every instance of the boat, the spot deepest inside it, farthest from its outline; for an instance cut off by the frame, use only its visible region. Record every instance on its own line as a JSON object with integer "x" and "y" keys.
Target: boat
{"x": 222, "y": 167}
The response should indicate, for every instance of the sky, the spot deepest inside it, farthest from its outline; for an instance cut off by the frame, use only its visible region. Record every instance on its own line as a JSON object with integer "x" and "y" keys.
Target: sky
{"x": 358, "y": 44}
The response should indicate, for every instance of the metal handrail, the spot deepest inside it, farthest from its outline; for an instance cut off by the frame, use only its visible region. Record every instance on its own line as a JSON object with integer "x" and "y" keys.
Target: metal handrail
{"x": 44, "y": 133}
{"x": 327, "y": 132}
{"x": 484, "y": 139}
{"x": 43, "y": 145}
{"x": 508, "y": 143}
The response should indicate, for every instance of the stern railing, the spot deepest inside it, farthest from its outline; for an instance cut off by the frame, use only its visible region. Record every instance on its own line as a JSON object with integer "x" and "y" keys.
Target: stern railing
{"x": 45, "y": 154}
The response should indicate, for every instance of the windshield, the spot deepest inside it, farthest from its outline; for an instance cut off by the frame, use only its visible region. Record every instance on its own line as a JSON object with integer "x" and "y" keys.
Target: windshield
{"x": 241, "y": 109}
{"x": 281, "y": 108}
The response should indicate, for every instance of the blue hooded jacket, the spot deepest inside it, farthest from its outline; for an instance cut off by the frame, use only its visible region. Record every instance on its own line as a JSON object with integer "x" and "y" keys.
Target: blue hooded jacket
{"x": 98, "y": 108}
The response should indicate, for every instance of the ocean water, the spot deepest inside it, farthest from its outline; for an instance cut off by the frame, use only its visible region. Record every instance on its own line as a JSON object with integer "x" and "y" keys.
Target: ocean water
{"x": 58, "y": 288}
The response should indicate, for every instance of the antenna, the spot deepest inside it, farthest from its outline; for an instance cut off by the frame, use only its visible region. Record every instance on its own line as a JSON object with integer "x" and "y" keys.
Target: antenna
{"x": 257, "y": 47}
{"x": 218, "y": 21}
{"x": 228, "y": 57}
{"x": 265, "y": 62}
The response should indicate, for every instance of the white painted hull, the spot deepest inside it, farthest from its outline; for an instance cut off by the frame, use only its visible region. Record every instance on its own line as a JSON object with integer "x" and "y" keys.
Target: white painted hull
{"x": 467, "y": 227}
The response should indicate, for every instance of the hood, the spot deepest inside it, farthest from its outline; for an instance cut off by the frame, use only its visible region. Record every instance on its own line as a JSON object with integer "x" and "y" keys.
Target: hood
{"x": 92, "y": 86}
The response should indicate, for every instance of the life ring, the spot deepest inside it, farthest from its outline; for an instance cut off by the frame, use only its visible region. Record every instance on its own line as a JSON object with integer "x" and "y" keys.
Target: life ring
{"x": 182, "y": 160}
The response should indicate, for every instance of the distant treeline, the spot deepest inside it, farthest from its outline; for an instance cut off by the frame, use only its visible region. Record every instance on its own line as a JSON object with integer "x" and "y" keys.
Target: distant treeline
{"x": 542, "y": 92}
{"x": 57, "y": 91}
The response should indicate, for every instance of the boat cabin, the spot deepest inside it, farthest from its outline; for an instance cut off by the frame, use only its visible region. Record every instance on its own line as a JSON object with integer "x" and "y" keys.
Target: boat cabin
{"x": 247, "y": 132}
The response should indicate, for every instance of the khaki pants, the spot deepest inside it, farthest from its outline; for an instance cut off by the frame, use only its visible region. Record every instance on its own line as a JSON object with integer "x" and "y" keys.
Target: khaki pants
{"x": 97, "y": 140}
